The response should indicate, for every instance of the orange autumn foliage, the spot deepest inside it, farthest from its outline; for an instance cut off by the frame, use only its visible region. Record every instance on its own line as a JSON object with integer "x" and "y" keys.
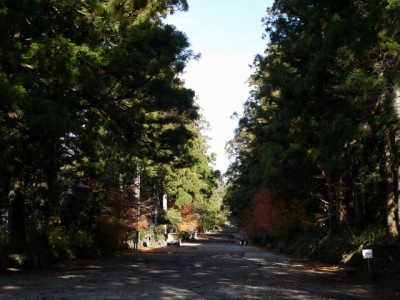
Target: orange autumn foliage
{"x": 275, "y": 217}
{"x": 142, "y": 224}
{"x": 189, "y": 225}
{"x": 190, "y": 220}
{"x": 266, "y": 215}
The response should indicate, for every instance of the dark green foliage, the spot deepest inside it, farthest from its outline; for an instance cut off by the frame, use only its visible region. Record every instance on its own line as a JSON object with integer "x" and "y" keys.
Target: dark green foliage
{"x": 173, "y": 218}
{"x": 321, "y": 126}
{"x": 80, "y": 207}
{"x": 3, "y": 247}
{"x": 111, "y": 235}
{"x": 90, "y": 93}
{"x": 72, "y": 243}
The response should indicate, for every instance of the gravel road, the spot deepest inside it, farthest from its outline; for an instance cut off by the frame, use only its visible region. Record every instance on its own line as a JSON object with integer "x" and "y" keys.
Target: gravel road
{"x": 216, "y": 269}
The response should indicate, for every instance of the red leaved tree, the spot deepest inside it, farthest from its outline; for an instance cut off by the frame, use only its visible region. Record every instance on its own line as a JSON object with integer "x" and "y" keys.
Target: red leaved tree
{"x": 190, "y": 220}
{"x": 265, "y": 215}
{"x": 275, "y": 216}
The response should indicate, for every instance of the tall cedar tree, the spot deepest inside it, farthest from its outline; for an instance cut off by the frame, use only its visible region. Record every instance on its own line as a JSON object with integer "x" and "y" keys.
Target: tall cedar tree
{"x": 78, "y": 74}
{"x": 321, "y": 126}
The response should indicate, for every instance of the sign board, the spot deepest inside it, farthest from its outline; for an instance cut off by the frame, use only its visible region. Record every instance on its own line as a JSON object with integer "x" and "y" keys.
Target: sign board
{"x": 367, "y": 253}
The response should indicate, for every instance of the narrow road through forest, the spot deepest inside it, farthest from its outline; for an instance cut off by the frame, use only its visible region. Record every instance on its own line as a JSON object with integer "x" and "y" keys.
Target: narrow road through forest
{"x": 213, "y": 267}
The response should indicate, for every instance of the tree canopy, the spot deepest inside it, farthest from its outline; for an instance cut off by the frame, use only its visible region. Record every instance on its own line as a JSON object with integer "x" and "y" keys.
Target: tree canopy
{"x": 91, "y": 93}
{"x": 320, "y": 130}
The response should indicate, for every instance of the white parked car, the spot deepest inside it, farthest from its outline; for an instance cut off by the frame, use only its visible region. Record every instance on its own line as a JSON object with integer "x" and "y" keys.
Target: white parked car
{"x": 174, "y": 239}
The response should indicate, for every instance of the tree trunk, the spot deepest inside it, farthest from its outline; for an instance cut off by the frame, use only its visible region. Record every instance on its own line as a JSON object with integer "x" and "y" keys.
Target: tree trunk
{"x": 333, "y": 218}
{"x": 397, "y": 110}
{"x": 391, "y": 110}
{"x": 16, "y": 219}
{"x": 391, "y": 191}
{"x": 137, "y": 195}
{"x": 358, "y": 207}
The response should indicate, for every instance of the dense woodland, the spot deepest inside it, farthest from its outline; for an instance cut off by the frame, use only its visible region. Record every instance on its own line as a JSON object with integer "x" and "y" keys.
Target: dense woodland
{"x": 100, "y": 136}
{"x": 317, "y": 146}
{"x": 97, "y": 128}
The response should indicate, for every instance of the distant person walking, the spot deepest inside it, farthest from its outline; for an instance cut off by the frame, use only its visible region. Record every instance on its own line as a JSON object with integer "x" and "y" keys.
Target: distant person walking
{"x": 135, "y": 236}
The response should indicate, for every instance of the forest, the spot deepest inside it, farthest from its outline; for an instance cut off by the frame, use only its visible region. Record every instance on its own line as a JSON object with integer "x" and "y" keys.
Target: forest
{"x": 316, "y": 151}
{"x": 98, "y": 134}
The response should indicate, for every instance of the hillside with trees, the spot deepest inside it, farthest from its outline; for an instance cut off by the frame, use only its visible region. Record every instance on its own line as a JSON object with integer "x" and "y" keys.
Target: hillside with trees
{"x": 316, "y": 152}
{"x": 97, "y": 128}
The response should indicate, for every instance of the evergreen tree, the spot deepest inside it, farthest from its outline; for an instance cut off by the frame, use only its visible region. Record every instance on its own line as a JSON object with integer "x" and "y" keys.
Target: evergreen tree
{"x": 320, "y": 126}
{"x": 82, "y": 81}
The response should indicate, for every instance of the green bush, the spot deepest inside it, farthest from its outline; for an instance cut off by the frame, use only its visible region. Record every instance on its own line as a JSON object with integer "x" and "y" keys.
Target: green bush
{"x": 174, "y": 218}
{"x": 71, "y": 243}
{"x": 83, "y": 244}
{"x": 112, "y": 234}
{"x": 59, "y": 242}
{"x": 3, "y": 239}
{"x": 385, "y": 248}
{"x": 3, "y": 246}
{"x": 294, "y": 227}
{"x": 375, "y": 236}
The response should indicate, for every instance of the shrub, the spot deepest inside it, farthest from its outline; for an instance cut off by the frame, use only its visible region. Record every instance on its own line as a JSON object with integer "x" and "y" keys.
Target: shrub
{"x": 59, "y": 242}
{"x": 71, "y": 243}
{"x": 174, "y": 218}
{"x": 3, "y": 246}
{"x": 112, "y": 234}
{"x": 82, "y": 244}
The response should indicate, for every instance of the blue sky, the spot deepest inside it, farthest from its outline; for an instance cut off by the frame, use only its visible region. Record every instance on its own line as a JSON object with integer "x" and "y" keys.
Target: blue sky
{"x": 228, "y": 35}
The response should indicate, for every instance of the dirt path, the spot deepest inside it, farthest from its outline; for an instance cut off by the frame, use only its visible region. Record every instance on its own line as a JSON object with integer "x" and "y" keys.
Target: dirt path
{"x": 214, "y": 268}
